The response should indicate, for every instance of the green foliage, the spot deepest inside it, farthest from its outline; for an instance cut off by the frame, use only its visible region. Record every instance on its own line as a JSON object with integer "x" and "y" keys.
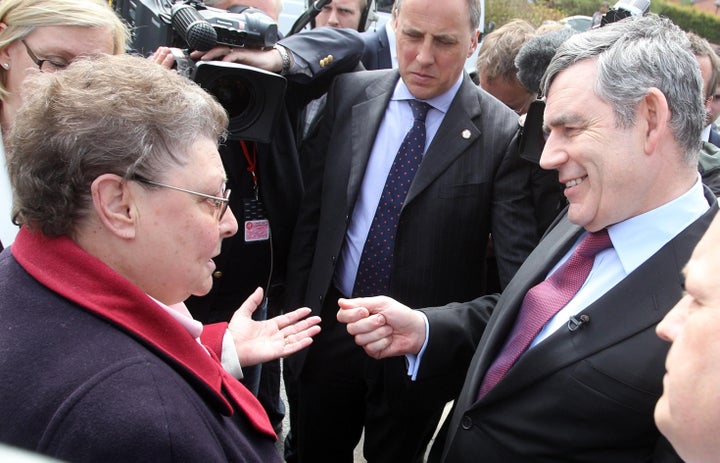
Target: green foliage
{"x": 690, "y": 19}
{"x": 687, "y": 17}
{"x": 503, "y": 11}
{"x": 584, "y": 7}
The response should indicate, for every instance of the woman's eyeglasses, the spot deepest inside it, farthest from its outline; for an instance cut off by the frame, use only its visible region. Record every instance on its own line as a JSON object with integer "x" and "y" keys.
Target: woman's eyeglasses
{"x": 46, "y": 65}
{"x": 220, "y": 203}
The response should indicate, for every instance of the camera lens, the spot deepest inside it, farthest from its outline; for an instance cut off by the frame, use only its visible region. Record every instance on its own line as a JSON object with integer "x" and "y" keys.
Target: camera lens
{"x": 234, "y": 95}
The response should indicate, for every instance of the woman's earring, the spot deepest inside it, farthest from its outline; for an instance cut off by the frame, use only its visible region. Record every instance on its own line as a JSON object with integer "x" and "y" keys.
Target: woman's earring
{"x": 6, "y": 66}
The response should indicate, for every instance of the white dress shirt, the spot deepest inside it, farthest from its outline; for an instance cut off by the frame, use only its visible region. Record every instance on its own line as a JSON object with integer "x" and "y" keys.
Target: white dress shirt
{"x": 634, "y": 240}
{"x": 390, "y": 31}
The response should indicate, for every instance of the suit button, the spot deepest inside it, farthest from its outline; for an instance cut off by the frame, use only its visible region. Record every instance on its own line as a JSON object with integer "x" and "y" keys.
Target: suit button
{"x": 334, "y": 259}
{"x": 466, "y": 422}
{"x": 217, "y": 274}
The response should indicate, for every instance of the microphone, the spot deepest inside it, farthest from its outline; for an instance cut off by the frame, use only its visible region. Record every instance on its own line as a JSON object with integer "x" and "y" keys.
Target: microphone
{"x": 576, "y": 322}
{"x": 192, "y": 27}
{"x": 319, "y": 5}
{"x": 534, "y": 56}
{"x": 307, "y": 16}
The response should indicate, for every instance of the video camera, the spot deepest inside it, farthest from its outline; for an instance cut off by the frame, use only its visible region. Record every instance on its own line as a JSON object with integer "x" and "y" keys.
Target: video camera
{"x": 251, "y": 96}
{"x": 625, "y": 8}
{"x": 532, "y": 138}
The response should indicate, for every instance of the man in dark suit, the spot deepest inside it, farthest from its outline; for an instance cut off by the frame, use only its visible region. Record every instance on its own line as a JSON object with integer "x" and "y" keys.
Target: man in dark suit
{"x": 380, "y": 46}
{"x": 465, "y": 188}
{"x": 714, "y": 136}
{"x": 624, "y": 142}
{"x": 710, "y": 71}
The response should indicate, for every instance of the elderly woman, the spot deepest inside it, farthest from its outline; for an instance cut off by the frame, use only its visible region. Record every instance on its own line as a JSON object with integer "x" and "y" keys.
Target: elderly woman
{"x": 120, "y": 193}
{"x": 45, "y": 35}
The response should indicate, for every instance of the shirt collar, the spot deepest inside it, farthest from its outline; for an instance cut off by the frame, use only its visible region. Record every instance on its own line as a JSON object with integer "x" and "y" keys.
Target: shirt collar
{"x": 182, "y": 315}
{"x": 390, "y": 31}
{"x": 639, "y": 237}
{"x": 705, "y": 134}
{"x": 440, "y": 102}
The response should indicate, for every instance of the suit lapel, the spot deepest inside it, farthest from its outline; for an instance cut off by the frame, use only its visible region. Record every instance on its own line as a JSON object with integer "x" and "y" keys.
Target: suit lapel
{"x": 366, "y": 118}
{"x": 640, "y": 300}
{"x": 534, "y": 269}
{"x": 383, "y": 53}
{"x": 638, "y": 310}
{"x": 455, "y": 135}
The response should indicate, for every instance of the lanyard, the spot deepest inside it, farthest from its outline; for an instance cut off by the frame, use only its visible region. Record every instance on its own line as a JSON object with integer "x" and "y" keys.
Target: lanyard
{"x": 252, "y": 162}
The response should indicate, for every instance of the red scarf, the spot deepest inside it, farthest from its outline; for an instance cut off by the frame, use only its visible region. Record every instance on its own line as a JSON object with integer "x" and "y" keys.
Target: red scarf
{"x": 65, "y": 268}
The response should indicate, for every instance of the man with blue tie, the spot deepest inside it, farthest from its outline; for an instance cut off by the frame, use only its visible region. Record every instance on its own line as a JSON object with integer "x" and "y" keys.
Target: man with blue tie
{"x": 565, "y": 365}
{"x": 411, "y": 170}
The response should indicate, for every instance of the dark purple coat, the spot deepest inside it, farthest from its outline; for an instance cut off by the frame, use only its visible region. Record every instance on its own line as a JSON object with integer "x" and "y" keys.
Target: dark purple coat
{"x": 79, "y": 387}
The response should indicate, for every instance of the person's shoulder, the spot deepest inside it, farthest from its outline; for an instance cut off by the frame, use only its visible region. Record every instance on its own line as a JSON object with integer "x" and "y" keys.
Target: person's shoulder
{"x": 371, "y": 38}
{"x": 362, "y": 79}
{"x": 488, "y": 102}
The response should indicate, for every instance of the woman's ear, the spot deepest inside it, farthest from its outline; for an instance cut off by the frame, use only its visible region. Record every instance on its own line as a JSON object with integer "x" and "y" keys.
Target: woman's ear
{"x": 4, "y": 53}
{"x": 114, "y": 204}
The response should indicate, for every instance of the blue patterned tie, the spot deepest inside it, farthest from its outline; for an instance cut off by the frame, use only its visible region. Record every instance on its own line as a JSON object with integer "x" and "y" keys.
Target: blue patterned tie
{"x": 373, "y": 275}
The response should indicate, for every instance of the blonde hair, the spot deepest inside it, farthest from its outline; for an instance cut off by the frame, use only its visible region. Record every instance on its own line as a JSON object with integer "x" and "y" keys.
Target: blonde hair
{"x": 21, "y": 17}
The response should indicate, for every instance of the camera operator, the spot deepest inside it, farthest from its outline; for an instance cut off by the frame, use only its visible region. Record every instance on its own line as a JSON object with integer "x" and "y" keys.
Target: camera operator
{"x": 346, "y": 14}
{"x": 343, "y": 13}
{"x": 266, "y": 178}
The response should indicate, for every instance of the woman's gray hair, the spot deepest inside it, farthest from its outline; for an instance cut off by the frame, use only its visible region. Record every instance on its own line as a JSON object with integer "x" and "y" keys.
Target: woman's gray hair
{"x": 634, "y": 55}
{"x": 108, "y": 114}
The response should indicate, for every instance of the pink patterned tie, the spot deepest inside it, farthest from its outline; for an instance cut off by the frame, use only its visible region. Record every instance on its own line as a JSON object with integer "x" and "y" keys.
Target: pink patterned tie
{"x": 543, "y": 301}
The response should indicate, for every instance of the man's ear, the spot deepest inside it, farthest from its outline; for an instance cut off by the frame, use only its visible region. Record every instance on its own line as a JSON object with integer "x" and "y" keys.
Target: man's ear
{"x": 114, "y": 204}
{"x": 474, "y": 42}
{"x": 655, "y": 114}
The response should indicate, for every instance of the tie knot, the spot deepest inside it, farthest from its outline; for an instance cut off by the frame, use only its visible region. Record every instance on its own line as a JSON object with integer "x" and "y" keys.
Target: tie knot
{"x": 594, "y": 242}
{"x": 419, "y": 109}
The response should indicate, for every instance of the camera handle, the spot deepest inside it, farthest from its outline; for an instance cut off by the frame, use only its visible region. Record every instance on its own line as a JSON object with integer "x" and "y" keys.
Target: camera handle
{"x": 307, "y": 16}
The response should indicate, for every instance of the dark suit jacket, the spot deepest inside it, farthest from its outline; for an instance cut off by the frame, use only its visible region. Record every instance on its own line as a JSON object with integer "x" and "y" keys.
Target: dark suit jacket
{"x": 714, "y": 137}
{"x": 466, "y": 187}
{"x": 243, "y": 266}
{"x": 377, "y": 50}
{"x": 586, "y": 395}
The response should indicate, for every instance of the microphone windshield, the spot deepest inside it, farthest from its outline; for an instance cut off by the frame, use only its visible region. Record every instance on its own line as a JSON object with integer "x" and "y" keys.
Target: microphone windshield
{"x": 193, "y": 28}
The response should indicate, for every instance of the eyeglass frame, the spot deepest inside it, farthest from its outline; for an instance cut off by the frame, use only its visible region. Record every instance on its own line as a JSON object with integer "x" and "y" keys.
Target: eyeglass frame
{"x": 220, "y": 203}
{"x": 40, "y": 62}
